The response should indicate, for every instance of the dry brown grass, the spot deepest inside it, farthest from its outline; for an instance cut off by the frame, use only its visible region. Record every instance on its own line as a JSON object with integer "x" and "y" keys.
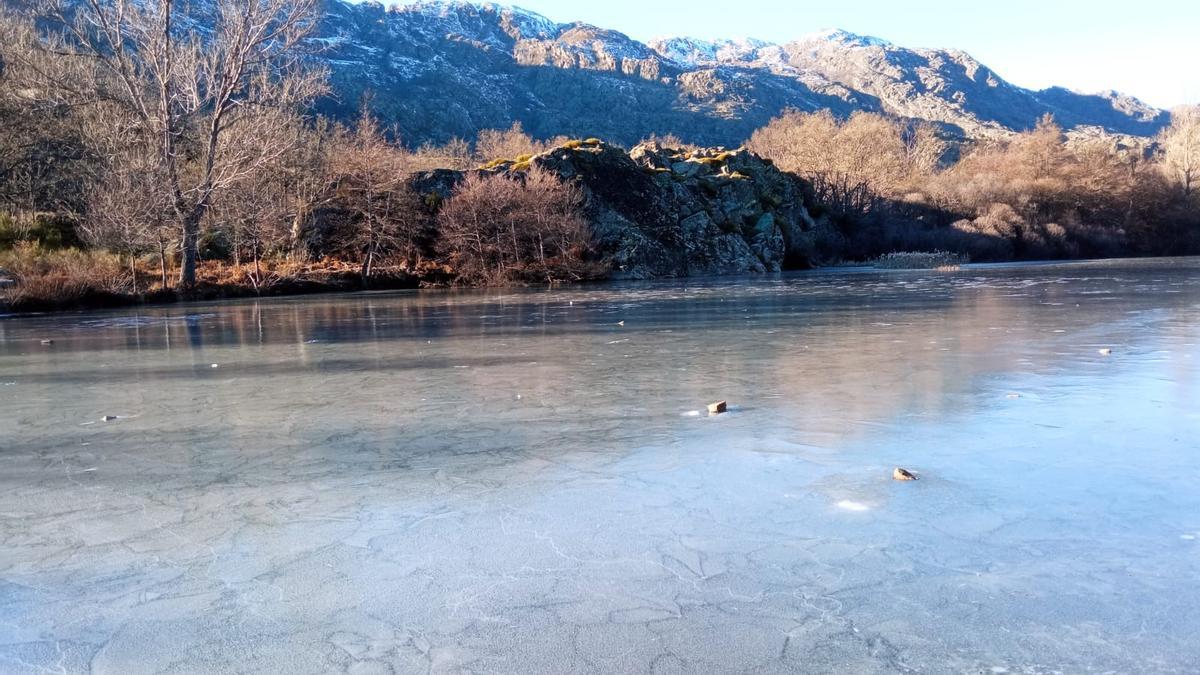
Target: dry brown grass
{"x": 64, "y": 278}
{"x": 35, "y": 279}
{"x": 270, "y": 272}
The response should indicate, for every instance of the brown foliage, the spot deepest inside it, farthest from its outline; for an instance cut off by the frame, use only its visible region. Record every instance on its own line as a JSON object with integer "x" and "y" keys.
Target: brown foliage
{"x": 852, "y": 164}
{"x": 498, "y": 228}
{"x": 61, "y": 279}
{"x": 1050, "y": 197}
{"x": 456, "y": 154}
{"x": 369, "y": 181}
{"x": 669, "y": 141}
{"x": 493, "y": 144}
{"x": 1181, "y": 148}
{"x": 1038, "y": 194}
{"x": 162, "y": 137}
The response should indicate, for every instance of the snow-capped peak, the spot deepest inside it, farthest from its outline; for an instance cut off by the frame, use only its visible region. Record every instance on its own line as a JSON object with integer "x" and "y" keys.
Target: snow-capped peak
{"x": 685, "y": 50}
{"x": 526, "y": 23}
{"x": 697, "y": 52}
{"x": 529, "y": 23}
{"x": 845, "y": 38}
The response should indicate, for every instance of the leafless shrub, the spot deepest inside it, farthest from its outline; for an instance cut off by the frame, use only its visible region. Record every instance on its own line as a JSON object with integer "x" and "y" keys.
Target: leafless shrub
{"x": 1181, "y": 148}
{"x": 128, "y": 214}
{"x": 669, "y": 141}
{"x": 511, "y": 143}
{"x": 851, "y": 164}
{"x": 498, "y": 228}
{"x": 1038, "y": 194}
{"x": 455, "y": 154}
{"x": 369, "y": 176}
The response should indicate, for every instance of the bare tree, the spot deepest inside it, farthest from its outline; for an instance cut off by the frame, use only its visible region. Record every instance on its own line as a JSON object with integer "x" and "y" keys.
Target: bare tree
{"x": 45, "y": 162}
{"x": 128, "y": 212}
{"x": 455, "y": 154}
{"x": 263, "y": 210}
{"x": 557, "y": 226}
{"x": 508, "y": 143}
{"x": 193, "y": 93}
{"x": 497, "y": 227}
{"x": 305, "y": 175}
{"x": 851, "y": 164}
{"x": 369, "y": 180}
{"x": 1181, "y": 147}
{"x": 925, "y": 149}
{"x": 1042, "y": 151}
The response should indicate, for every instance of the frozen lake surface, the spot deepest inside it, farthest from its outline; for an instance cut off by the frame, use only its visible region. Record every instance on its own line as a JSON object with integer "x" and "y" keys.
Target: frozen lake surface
{"x": 514, "y": 482}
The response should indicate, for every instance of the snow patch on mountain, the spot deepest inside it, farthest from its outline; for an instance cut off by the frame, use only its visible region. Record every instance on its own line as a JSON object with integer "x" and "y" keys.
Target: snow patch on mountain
{"x": 524, "y": 23}
{"x": 695, "y": 52}
{"x": 528, "y": 24}
{"x": 844, "y": 38}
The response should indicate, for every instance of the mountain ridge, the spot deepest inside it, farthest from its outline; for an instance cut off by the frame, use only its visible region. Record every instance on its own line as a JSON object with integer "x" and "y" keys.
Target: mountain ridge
{"x": 440, "y": 69}
{"x": 444, "y": 68}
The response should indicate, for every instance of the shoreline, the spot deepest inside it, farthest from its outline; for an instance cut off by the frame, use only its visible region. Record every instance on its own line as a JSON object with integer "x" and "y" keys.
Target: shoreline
{"x": 349, "y": 284}
{"x": 96, "y": 301}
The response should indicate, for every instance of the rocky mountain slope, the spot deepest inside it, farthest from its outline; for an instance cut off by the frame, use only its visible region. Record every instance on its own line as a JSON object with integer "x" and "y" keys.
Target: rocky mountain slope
{"x": 448, "y": 68}
{"x": 663, "y": 212}
{"x": 947, "y": 86}
{"x": 444, "y": 68}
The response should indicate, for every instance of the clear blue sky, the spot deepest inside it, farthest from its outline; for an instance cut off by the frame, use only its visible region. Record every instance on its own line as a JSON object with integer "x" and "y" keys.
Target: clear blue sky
{"x": 1147, "y": 48}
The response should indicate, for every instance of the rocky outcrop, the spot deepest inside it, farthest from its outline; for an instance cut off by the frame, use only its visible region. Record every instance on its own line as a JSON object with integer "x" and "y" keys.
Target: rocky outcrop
{"x": 659, "y": 211}
{"x": 666, "y": 212}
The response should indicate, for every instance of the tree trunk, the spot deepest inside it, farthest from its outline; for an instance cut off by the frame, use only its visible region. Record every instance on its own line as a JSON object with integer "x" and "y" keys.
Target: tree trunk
{"x": 191, "y": 245}
{"x": 297, "y": 233}
{"x": 162, "y": 263}
{"x": 368, "y": 263}
{"x": 133, "y": 272}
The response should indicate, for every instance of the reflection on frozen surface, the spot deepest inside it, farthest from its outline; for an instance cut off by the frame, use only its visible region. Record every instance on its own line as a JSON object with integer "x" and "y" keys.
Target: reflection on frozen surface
{"x": 514, "y": 482}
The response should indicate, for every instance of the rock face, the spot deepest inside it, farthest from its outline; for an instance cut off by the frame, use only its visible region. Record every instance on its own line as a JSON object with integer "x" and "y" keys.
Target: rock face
{"x": 664, "y": 212}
